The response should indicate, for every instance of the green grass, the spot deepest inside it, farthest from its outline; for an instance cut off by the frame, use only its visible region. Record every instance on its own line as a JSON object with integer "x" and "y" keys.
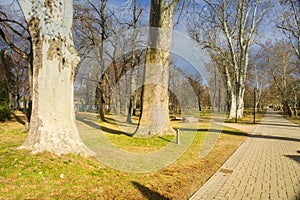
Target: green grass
{"x": 39, "y": 176}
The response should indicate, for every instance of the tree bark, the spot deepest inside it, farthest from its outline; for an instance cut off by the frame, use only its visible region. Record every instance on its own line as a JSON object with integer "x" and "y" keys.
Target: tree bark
{"x": 100, "y": 98}
{"x": 53, "y": 126}
{"x": 154, "y": 119}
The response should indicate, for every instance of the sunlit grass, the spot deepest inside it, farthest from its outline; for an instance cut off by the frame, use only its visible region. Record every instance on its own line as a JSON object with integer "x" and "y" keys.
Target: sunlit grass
{"x": 248, "y": 117}
{"x": 47, "y": 176}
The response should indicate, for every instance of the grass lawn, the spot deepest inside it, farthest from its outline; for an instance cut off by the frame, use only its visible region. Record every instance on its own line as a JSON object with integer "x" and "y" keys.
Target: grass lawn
{"x": 248, "y": 117}
{"x": 47, "y": 176}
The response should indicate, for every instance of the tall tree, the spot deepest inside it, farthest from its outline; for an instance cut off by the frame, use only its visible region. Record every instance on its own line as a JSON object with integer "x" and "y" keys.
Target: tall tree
{"x": 260, "y": 77}
{"x": 7, "y": 78}
{"x": 132, "y": 101}
{"x": 154, "y": 118}
{"x": 16, "y": 35}
{"x": 93, "y": 23}
{"x": 289, "y": 23}
{"x": 227, "y": 28}
{"x": 280, "y": 60}
{"x": 53, "y": 126}
{"x": 15, "y": 75}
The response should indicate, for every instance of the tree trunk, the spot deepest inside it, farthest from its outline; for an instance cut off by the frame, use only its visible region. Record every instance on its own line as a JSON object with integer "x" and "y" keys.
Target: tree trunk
{"x": 154, "y": 119}
{"x": 236, "y": 111}
{"x": 5, "y": 66}
{"x": 132, "y": 65}
{"x": 219, "y": 96}
{"x": 130, "y": 111}
{"x": 132, "y": 99}
{"x": 28, "y": 110}
{"x": 100, "y": 99}
{"x": 53, "y": 126}
{"x": 117, "y": 98}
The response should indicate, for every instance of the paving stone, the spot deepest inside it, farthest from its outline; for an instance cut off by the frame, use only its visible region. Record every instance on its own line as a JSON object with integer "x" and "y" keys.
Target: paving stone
{"x": 263, "y": 166}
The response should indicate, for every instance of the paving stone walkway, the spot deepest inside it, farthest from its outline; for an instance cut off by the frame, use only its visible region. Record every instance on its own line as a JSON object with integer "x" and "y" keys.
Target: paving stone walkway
{"x": 265, "y": 166}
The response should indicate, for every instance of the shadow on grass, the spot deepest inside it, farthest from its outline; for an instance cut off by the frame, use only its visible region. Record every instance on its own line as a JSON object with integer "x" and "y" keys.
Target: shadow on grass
{"x": 239, "y": 122}
{"x": 114, "y": 121}
{"x": 217, "y": 131}
{"x": 148, "y": 193}
{"x": 19, "y": 119}
{"x": 105, "y": 129}
{"x": 165, "y": 139}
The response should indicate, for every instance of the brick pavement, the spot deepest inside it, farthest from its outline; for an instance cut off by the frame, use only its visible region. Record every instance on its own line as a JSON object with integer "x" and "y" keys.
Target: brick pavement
{"x": 265, "y": 166}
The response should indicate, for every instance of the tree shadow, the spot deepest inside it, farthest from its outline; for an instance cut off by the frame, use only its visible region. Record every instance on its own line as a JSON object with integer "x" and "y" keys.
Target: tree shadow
{"x": 148, "y": 193}
{"x": 239, "y": 122}
{"x": 284, "y": 125}
{"x": 114, "y": 121}
{"x": 240, "y": 133}
{"x": 166, "y": 139}
{"x": 19, "y": 119}
{"x": 105, "y": 129}
{"x": 294, "y": 157}
{"x": 273, "y": 137}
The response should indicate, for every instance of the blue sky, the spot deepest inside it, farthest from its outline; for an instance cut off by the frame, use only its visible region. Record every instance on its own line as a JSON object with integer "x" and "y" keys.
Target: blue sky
{"x": 120, "y": 2}
{"x": 268, "y": 30}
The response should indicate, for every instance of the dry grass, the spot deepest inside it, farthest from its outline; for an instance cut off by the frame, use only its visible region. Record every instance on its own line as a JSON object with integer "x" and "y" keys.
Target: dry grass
{"x": 248, "y": 118}
{"x": 295, "y": 120}
{"x": 39, "y": 176}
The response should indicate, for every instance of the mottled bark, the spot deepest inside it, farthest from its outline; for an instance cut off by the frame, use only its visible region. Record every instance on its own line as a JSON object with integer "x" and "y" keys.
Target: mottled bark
{"x": 154, "y": 119}
{"x": 53, "y": 127}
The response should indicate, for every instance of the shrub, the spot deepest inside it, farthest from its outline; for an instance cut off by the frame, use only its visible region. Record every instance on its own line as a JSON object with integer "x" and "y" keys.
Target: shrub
{"x": 5, "y": 113}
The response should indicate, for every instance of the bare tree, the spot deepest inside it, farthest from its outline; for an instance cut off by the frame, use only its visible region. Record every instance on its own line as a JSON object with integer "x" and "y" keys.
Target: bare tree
{"x": 14, "y": 73}
{"x": 136, "y": 13}
{"x": 260, "y": 76}
{"x": 227, "y": 28}
{"x": 289, "y": 23}
{"x": 53, "y": 126}
{"x": 16, "y": 35}
{"x": 7, "y": 76}
{"x": 93, "y": 29}
{"x": 279, "y": 58}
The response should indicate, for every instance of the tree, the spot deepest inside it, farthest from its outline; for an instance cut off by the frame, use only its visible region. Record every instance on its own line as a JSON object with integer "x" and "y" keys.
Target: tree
{"x": 154, "y": 118}
{"x": 260, "y": 77}
{"x": 281, "y": 63}
{"x": 289, "y": 23}
{"x": 53, "y": 126}
{"x": 15, "y": 77}
{"x": 16, "y": 35}
{"x": 93, "y": 28}
{"x": 7, "y": 79}
{"x": 227, "y": 29}
{"x": 132, "y": 101}
{"x": 216, "y": 85}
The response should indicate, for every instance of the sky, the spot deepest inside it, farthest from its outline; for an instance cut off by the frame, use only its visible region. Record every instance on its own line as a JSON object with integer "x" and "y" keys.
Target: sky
{"x": 267, "y": 26}
{"x": 268, "y": 31}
